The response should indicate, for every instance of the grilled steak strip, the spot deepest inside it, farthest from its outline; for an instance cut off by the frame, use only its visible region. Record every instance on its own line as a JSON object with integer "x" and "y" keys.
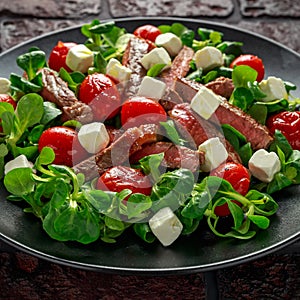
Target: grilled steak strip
{"x": 174, "y": 156}
{"x": 196, "y": 130}
{"x": 87, "y": 167}
{"x": 257, "y": 134}
{"x": 179, "y": 67}
{"x": 121, "y": 149}
{"x": 221, "y": 86}
{"x": 57, "y": 91}
{"x": 135, "y": 50}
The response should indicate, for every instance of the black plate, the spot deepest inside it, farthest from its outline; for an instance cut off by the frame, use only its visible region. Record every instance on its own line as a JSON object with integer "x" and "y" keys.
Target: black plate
{"x": 201, "y": 252}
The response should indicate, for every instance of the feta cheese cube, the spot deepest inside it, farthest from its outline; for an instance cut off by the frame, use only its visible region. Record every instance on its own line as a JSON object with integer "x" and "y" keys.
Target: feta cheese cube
{"x": 152, "y": 88}
{"x": 205, "y": 102}
{"x": 20, "y": 161}
{"x": 93, "y": 137}
{"x": 165, "y": 226}
{"x": 264, "y": 165}
{"x": 4, "y": 85}
{"x": 208, "y": 58}
{"x": 274, "y": 89}
{"x": 80, "y": 58}
{"x": 156, "y": 56}
{"x": 171, "y": 42}
{"x": 215, "y": 153}
{"x": 116, "y": 70}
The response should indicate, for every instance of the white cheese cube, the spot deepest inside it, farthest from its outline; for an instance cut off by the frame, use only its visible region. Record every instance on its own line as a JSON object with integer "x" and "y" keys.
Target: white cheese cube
{"x": 215, "y": 153}
{"x": 264, "y": 165}
{"x": 20, "y": 161}
{"x": 156, "y": 56}
{"x": 93, "y": 137}
{"x": 80, "y": 58}
{"x": 205, "y": 102}
{"x": 152, "y": 88}
{"x": 274, "y": 89}
{"x": 208, "y": 58}
{"x": 165, "y": 226}
{"x": 116, "y": 70}
{"x": 4, "y": 85}
{"x": 171, "y": 42}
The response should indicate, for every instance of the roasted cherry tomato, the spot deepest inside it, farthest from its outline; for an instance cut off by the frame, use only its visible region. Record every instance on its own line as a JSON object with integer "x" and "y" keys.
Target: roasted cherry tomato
{"x": 8, "y": 99}
{"x": 64, "y": 142}
{"x": 57, "y": 57}
{"x": 141, "y": 110}
{"x": 119, "y": 178}
{"x": 238, "y": 176}
{"x": 252, "y": 61}
{"x": 234, "y": 173}
{"x": 148, "y": 32}
{"x": 288, "y": 122}
{"x": 101, "y": 93}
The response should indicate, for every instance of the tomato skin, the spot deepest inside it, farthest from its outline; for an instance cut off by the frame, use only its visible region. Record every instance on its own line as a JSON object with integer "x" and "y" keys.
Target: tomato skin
{"x": 119, "y": 178}
{"x": 8, "y": 99}
{"x": 288, "y": 122}
{"x": 148, "y": 32}
{"x": 238, "y": 176}
{"x": 64, "y": 142}
{"x": 234, "y": 173}
{"x": 57, "y": 57}
{"x": 252, "y": 61}
{"x": 101, "y": 93}
{"x": 141, "y": 110}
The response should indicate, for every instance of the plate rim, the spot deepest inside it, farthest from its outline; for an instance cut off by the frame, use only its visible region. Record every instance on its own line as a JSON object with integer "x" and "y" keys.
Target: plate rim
{"x": 171, "y": 270}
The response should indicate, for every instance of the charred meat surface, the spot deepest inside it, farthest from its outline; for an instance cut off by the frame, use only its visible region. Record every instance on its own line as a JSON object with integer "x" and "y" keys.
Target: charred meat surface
{"x": 128, "y": 143}
{"x": 196, "y": 130}
{"x": 175, "y": 156}
{"x": 179, "y": 67}
{"x": 222, "y": 86}
{"x": 57, "y": 91}
{"x": 136, "y": 49}
{"x": 257, "y": 134}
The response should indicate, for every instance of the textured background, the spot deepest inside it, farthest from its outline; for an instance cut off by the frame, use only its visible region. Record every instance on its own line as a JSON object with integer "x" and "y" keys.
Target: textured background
{"x": 23, "y": 276}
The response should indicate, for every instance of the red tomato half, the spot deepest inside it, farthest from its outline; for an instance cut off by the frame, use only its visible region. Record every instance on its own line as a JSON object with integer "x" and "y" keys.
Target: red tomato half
{"x": 64, "y": 142}
{"x": 57, "y": 58}
{"x": 141, "y": 110}
{"x": 101, "y": 93}
{"x": 238, "y": 176}
{"x": 8, "y": 99}
{"x": 288, "y": 122}
{"x": 119, "y": 178}
{"x": 148, "y": 32}
{"x": 252, "y": 61}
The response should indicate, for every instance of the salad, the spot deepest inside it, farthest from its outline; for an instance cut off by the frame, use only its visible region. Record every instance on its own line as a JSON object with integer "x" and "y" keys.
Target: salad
{"x": 162, "y": 132}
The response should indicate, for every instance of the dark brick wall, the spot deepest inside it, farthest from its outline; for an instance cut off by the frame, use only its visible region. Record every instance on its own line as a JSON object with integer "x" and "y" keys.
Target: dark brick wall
{"x": 23, "y": 276}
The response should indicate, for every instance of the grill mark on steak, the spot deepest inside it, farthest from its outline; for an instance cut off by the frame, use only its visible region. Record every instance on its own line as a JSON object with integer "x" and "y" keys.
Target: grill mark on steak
{"x": 57, "y": 91}
{"x": 175, "y": 156}
{"x": 135, "y": 50}
{"x": 127, "y": 144}
{"x": 179, "y": 68}
{"x": 257, "y": 134}
{"x": 196, "y": 130}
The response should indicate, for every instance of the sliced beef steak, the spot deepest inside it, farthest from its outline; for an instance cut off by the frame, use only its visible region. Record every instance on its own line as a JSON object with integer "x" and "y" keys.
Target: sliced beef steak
{"x": 257, "y": 134}
{"x": 88, "y": 168}
{"x": 175, "y": 156}
{"x": 196, "y": 130}
{"x": 57, "y": 91}
{"x": 127, "y": 144}
{"x": 179, "y": 67}
{"x": 136, "y": 49}
{"x": 221, "y": 86}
